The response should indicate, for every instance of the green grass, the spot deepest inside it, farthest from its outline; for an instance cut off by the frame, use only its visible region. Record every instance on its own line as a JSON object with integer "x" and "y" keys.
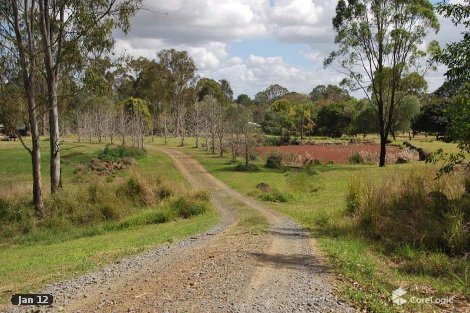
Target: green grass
{"x": 46, "y": 256}
{"x": 26, "y": 268}
{"x": 370, "y": 271}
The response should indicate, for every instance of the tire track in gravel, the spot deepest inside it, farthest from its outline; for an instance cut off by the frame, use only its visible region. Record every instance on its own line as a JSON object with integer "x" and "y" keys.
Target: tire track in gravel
{"x": 232, "y": 268}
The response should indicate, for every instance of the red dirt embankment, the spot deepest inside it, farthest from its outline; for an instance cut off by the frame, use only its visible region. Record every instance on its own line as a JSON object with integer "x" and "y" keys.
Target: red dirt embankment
{"x": 325, "y": 153}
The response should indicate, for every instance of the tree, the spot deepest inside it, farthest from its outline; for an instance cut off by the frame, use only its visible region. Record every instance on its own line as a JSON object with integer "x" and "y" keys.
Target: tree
{"x": 365, "y": 122}
{"x": 279, "y": 116}
{"x": 151, "y": 85}
{"x": 303, "y": 118}
{"x": 456, "y": 55}
{"x": 408, "y": 110}
{"x": 244, "y": 131}
{"x": 181, "y": 77}
{"x": 244, "y": 100}
{"x": 325, "y": 95}
{"x": 209, "y": 110}
{"x": 271, "y": 93}
{"x": 332, "y": 121}
{"x": 19, "y": 53}
{"x": 379, "y": 46}
{"x": 138, "y": 115}
{"x": 432, "y": 118}
{"x": 71, "y": 32}
{"x": 459, "y": 128}
{"x": 226, "y": 89}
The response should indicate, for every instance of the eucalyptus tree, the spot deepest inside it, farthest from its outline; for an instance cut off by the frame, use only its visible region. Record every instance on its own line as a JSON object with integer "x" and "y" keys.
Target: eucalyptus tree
{"x": 151, "y": 84}
{"x": 226, "y": 89}
{"x": 72, "y": 31}
{"x": 181, "y": 78}
{"x": 378, "y": 46}
{"x": 19, "y": 50}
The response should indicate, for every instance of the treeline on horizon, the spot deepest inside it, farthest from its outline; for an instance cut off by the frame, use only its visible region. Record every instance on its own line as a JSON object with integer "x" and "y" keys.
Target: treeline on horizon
{"x": 168, "y": 94}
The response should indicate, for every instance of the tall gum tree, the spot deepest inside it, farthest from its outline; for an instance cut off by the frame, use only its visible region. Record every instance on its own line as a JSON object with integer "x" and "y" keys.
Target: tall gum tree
{"x": 18, "y": 43}
{"x": 378, "y": 47}
{"x": 72, "y": 32}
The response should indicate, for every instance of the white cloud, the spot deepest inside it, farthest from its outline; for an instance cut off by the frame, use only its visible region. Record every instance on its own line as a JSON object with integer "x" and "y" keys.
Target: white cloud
{"x": 205, "y": 28}
{"x": 301, "y": 20}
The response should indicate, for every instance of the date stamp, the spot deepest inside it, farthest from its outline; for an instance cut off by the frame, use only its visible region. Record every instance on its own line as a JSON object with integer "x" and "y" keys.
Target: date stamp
{"x": 32, "y": 299}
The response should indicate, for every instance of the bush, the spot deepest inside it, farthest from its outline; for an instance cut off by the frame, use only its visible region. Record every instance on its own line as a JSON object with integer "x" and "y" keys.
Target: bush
{"x": 274, "y": 196}
{"x": 414, "y": 208}
{"x": 187, "y": 207}
{"x": 309, "y": 168}
{"x": 246, "y": 168}
{"x": 137, "y": 189}
{"x": 272, "y": 141}
{"x": 114, "y": 154}
{"x": 274, "y": 160}
{"x": 356, "y": 158}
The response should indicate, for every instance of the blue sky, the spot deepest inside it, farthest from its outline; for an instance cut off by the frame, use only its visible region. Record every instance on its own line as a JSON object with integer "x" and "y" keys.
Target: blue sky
{"x": 251, "y": 43}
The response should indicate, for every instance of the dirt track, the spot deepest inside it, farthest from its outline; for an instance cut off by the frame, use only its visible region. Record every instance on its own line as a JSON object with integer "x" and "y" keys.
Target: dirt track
{"x": 235, "y": 267}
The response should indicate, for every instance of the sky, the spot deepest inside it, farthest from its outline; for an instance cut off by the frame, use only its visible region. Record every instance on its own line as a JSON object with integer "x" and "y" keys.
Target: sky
{"x": 251, "y": 43}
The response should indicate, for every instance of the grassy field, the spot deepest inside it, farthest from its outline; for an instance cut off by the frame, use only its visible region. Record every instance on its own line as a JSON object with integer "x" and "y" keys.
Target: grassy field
{"x": 30, "y": 261}
{"x": 370, "y": 272}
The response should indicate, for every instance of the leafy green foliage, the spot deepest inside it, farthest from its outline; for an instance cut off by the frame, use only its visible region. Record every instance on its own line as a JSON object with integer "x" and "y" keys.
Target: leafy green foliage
{"x": 274, "y": 196}
{"x": 365, "y": 122}
{"x": 333, "y": 121}
{"x": 456, "y": 56}
{"x": 111, "y": 153}
{"x": 378, "y": 49}
{"x": 432, "y": 118}
{"x": 274, "y": 160}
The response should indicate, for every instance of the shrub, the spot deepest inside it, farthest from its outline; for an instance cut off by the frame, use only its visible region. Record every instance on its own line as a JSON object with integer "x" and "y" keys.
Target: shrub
{"x": 109, "y": 212}
{"x": 413, "y": 208}
{"x": 186, "y": 207}
{"x": 246, "y": 168}
{"x": 137, "y": 189}
{"x": 163, "y": 192}
{"x": 274, "y": 196}
{"x": 272, "y": 141}
{"x": 274, "y": 160}
{"x": 113, "y": 154}
{"x": 309, "y": 168}
{"x": 356, "y": 158}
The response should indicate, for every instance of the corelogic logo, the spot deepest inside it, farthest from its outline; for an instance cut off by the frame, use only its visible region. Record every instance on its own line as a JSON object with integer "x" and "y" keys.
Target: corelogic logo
{"x": 397, "y": 296}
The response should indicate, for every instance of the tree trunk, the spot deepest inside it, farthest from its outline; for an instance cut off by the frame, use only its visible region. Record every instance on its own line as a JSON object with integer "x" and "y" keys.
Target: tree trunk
{"x": 221, "y": 145}
{"x": 52, "y": 74}
{"x": 383, "y": 149}
{"x": 165, "y": 130}
{"x": 213, "y": 143}
{"x": 27, "y": 61}
{"x": 35, "y": 153}
{"x": 247, "y": 157}
{"x": 54, "y": 146}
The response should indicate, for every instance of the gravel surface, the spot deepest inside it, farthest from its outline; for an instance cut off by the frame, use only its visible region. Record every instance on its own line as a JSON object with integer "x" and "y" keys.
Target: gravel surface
{"x": 227, "y": 269}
